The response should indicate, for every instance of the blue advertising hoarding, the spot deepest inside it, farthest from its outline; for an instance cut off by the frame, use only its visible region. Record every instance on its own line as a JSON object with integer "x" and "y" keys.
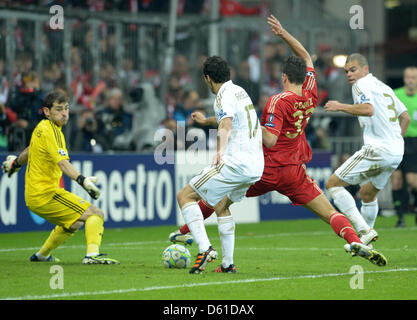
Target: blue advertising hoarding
{"x": 136, "y": 191}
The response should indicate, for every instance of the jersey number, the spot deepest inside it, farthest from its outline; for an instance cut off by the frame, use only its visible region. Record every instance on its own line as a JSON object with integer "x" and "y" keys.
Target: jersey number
{"x": 248, "y": 109}
{"x": 299, "y": 122}
{"x": 392, "y": 107}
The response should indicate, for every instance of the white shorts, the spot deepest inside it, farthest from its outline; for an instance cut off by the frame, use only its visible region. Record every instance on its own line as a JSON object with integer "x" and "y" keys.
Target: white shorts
{"x": 216, "y": 182}
{"x": 369, "y": 164}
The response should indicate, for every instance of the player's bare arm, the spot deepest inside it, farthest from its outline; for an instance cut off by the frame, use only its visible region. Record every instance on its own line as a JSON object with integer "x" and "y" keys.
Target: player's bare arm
{"x": 404, "y": 122}
{"x": 23, "y": 157}
{"x": 363, "y": 109}
{"x": 296, "y": 47}
{"x": 202, "y": 120}
{"x": 268, "y": 139}
{"x": 88, "y": 183}
{"x": 68, "y": 169}
{"x": 223, "y": 134}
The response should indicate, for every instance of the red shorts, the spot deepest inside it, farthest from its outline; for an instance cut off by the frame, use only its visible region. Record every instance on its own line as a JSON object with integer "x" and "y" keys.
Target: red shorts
{"x": 291, "y": 181}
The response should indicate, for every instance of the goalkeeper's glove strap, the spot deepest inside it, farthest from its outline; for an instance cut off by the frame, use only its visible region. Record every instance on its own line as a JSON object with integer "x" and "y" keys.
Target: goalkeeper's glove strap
{"x": 80, "y": 179}
{"x": 15, "y": 164}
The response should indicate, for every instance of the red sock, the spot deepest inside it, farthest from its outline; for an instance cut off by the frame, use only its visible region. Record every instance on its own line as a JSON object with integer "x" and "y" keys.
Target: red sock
{"x": 343, "y": 228}
{"x": 205, "y": 209}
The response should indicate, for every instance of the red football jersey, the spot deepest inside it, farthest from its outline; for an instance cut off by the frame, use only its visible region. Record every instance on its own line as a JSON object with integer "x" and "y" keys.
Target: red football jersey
{"x": 286, "y": 115}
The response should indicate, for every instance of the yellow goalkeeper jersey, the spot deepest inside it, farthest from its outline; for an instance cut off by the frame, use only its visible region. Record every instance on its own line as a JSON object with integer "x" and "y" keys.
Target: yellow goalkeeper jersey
{"x": 47, "y": 148}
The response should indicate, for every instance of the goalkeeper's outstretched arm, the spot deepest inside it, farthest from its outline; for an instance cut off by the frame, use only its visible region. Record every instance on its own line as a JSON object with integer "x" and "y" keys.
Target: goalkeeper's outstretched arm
{"x": 296, "y": 47}
{"x": 88, "y": 183}
{"x": 13, "y": 164}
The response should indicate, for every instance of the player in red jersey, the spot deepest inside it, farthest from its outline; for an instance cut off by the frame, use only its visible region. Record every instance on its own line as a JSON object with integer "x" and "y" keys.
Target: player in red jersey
{"x": 286, "y": 150}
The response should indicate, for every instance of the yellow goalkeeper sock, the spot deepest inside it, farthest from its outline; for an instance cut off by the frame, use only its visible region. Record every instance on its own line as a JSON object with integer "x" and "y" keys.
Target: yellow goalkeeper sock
{"x": 57, "y": 237}
{"x": 93, "y": 234}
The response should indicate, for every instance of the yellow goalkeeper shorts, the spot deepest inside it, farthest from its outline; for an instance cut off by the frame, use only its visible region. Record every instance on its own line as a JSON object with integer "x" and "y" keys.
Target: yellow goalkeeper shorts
{"x": 63, "y": 209}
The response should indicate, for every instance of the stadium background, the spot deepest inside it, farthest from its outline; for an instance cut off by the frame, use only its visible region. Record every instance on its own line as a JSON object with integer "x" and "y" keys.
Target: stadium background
{"x": 133, "y": 68}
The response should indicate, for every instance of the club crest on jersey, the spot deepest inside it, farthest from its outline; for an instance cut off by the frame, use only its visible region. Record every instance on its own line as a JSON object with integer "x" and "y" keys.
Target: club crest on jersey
{"x": 62, "y": 152}
{"x": 222, "y": 113}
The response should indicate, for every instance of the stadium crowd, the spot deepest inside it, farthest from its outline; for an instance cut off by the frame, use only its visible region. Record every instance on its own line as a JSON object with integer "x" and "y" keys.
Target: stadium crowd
{"x": 109, "y": 116}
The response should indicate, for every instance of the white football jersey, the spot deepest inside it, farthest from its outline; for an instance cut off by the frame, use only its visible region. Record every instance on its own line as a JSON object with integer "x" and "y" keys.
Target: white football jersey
{"x": 382, "y": 129}
{"x": 244, "y": 149}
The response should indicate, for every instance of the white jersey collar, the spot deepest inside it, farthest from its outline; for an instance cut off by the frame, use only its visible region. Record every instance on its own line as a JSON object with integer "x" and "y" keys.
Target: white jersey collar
{"x": 224, "y": 85}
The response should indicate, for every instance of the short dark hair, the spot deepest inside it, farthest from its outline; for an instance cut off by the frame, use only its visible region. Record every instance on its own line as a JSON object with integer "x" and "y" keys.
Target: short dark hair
{"x": 359, "y": 58}
{"x": 54, "y": 96}
{"x": 217, "y": 69}
{"x": 295, "y": 68}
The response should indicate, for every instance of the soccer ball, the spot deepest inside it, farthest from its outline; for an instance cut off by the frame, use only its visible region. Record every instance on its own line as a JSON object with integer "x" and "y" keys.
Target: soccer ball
{"x": 176, "y": 256}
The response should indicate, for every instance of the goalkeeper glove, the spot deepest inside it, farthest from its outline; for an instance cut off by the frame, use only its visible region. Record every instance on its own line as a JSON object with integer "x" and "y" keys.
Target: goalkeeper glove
{"x": 89, "y": 185}
{"x": 10, "y": 165}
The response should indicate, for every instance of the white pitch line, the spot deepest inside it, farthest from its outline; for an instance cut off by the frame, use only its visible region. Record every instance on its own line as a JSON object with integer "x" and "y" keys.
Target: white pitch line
{"x": 272, "y": 235}
{"x": 191, "y": 285}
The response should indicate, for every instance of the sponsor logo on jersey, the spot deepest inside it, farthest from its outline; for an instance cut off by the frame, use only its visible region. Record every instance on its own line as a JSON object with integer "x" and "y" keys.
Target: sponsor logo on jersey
{"x": 364, "y": 99}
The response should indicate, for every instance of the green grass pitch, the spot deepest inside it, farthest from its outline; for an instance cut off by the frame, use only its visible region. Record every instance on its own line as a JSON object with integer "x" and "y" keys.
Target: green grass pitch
{"x": 298, "y": 259}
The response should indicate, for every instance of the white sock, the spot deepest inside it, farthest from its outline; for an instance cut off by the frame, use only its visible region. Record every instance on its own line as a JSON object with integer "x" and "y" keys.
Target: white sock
{"x": 194, "y": 219}
{"x": 347, "y": 205}
{"x": 226, "y": 227}
{"x": 369, "y": 212}
{"x": 91, "y": 254}
{"x": 41, "y": 257}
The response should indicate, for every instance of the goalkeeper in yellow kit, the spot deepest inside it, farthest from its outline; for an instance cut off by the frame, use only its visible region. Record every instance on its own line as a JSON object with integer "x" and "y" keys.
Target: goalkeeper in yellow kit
{"x": 47, "y": 158}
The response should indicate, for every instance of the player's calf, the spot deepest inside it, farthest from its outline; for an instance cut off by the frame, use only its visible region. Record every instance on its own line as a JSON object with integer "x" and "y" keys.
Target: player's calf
{"x": 343, "y": 228}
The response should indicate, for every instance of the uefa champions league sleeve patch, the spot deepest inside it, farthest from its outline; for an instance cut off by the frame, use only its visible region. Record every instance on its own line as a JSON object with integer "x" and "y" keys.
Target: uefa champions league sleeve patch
{"x": 62, "y": 152}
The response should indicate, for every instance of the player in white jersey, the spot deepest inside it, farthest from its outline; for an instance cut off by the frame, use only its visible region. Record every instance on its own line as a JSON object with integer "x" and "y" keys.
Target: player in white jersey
{"x": 378, "y": 111}
{"x": 238, "y": 163}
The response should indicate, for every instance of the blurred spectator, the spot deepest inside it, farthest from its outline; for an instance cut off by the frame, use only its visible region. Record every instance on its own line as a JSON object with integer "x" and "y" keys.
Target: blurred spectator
{"x": 128, "y": 76}
{"x": 191, "y": 102}
{"x": 172, "y": 140}
{"x": 4, "y": 84}
{"x": 86, "y": 136}
{"x": 180, "y": 68}
{"x": 332, "y": 85}
{"x": 261, "y": 103}
{"x": 7, "y": 116}
{"x": 26, "y": 101}
{"x": 108, "y": 75}
{"x": 52, "y": 75}
{"x": 233, "y": 7}
{"x": 115, "y": 124}
{"x": 23, "y": 64}
{"x": 174, "y": 94}
{"x": 274, "y": 82}
{"x": 201, "y": 85}
{"x": 243, "y": 80}
{"x": 281, "y": 51}
{"x": 148, "y": 113}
